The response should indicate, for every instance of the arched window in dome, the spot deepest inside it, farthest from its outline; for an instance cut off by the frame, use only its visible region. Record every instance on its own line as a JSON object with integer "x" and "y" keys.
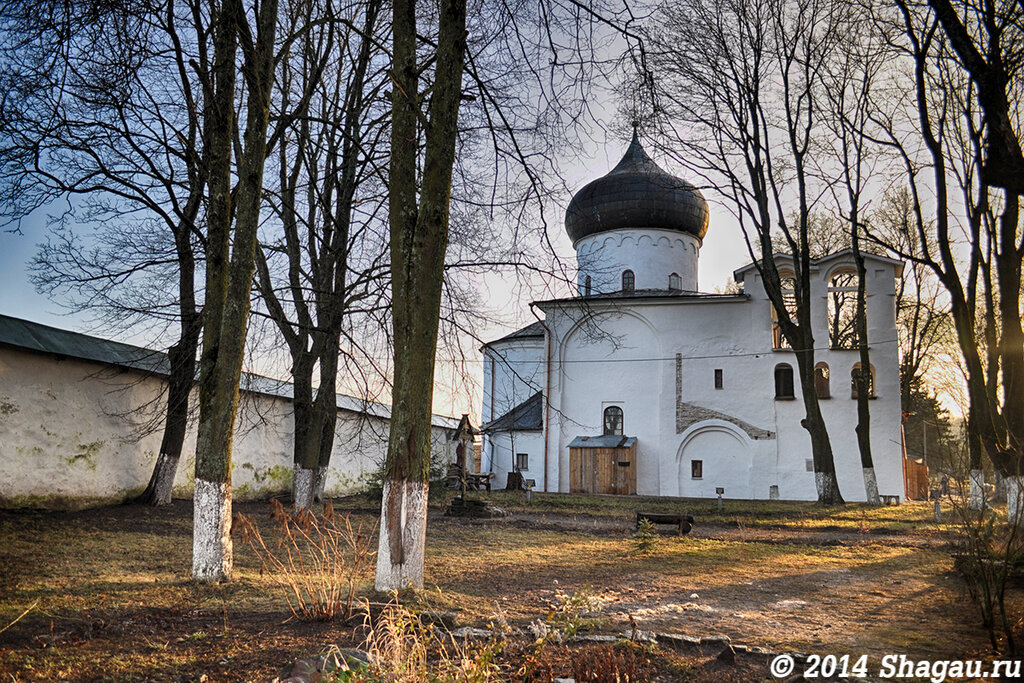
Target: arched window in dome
{"x": 784, "y": 381}
{"x": 613, "y": 421}
{"x": 628, "y": 281}
{"x": 586, "y": 286}
{"x": 675, "y": 282}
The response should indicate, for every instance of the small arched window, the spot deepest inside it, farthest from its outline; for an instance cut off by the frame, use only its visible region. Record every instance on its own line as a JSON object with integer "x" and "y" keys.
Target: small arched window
{"x": 854, "y": 374}
{"x": 613, "y": 421}
{"x": 586, "y": 286}
{"x": 628, "y": 281}
{"x": 784, "y": 381}
{"x": 821, "y": 381}
{"x": 674, "y": 281}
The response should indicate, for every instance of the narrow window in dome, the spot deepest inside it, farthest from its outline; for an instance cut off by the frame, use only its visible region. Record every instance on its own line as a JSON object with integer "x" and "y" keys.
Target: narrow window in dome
{"x": 628, "y": 281}
{"x": 586, "y": 286}
{"x": 674, "y": 281}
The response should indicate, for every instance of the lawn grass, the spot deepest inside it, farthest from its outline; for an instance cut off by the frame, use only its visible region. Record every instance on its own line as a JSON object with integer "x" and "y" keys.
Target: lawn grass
{"x": 908, "y": 516}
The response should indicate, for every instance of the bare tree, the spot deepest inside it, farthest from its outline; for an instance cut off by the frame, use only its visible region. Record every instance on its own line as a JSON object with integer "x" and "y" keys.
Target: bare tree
{"x": 959, "y": 128}
{"x": 103, "y": 109}
{"x": 334, "y": 259}
{"x": 233, "y": 220}
{"x": 847, "y": 90}
{"x": 737, "y": 90}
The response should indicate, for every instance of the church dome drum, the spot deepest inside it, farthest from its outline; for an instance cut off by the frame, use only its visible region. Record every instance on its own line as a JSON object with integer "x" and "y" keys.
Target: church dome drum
{"x": 637, "y": 193}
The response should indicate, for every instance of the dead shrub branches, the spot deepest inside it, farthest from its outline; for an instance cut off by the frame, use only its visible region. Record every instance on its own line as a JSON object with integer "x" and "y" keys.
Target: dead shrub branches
{"x": 320, "y": 563}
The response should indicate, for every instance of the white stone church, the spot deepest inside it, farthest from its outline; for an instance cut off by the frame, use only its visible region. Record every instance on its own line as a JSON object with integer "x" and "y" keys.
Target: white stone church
{"x": 643, "y": 384}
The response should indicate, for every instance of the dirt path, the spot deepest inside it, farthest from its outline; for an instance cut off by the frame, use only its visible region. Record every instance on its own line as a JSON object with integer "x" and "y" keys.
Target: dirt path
{"x": 826, "y": 590}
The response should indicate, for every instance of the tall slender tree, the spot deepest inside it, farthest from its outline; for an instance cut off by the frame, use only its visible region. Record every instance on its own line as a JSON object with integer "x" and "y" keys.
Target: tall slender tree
{"x": 737, "y": 90}
{"x": 334, "y": 259}
{"x": 233, "y": 225}
{"x": 419, "y": 209}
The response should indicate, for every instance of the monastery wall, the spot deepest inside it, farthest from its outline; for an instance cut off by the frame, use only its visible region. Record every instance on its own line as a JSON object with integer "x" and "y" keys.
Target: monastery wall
{"x": 76, "y": 433}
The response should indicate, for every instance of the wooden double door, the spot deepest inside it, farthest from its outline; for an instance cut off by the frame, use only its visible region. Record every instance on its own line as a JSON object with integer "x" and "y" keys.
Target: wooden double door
{"x": 603, "y": 470}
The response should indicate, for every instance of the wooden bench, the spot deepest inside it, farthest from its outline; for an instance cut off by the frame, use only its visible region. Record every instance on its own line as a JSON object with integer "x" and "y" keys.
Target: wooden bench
{"x": 474, "y": 481}
{"x": 479, "y": 481}
{"x": 889, "y": 500}
{"x": 684, "y": 522}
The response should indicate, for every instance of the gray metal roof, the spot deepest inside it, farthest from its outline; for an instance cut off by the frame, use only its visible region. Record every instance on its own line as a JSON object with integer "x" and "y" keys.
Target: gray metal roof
{"x": 638, "y": 294}
{"x": 637, "y": 193}
{"x": 528, "y": 416}
{"x": 531, "y": 331}
{"x": 604, "y": 441}
{"x": 25, "y": 334}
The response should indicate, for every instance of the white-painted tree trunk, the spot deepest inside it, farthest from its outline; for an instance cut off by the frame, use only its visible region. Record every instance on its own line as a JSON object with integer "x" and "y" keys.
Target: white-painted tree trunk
{"x": 871, "y": 486}
{"x": 976, "y": 499}
{"x": 164, "y": 471}
{"x": 403, "y": 535}
{"x": 211, "y": 537}
{"x": 1002, "y": 489}
{"x": 1015, "y": 500}
{"x": 303, "y": 487}
{"x": 321, "y": 484}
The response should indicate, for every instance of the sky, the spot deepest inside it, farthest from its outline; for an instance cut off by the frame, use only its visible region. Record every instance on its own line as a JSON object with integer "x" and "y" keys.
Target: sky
{"x": 723, "y": 251}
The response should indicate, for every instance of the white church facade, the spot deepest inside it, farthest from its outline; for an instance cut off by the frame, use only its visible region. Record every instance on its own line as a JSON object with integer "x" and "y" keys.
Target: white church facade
{"x": 642, "y": 384}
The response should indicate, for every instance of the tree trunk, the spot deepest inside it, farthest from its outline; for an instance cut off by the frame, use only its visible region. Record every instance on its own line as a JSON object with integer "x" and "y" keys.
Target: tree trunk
{"x": 825, "y": 479}
{"x": 976, "y": 500}
{"x": 1015, "y": 500}
{"x": 865, "y": 385}
{"x": 419, "y": 237}
{"x": 211, "y": 515}
{"x": 229, "y": 279}
{"x": 182, "y": 377}
{"x": 976, "y": 475}
{"x": 306, "y": 441}
{"x": 327, "y": 398}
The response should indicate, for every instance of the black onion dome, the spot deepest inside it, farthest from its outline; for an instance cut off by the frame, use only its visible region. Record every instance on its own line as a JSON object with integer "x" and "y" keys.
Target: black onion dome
{"x": 637, "y": 193}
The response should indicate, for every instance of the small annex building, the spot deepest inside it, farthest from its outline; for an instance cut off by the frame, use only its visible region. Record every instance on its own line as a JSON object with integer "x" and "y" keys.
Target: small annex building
{"x": 642, "y": 383}
{"x": 81, "y": 421}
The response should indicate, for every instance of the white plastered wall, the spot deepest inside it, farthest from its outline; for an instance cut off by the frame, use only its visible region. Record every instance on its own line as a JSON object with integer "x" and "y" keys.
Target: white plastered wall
{"x": 505, "y": 446}
{"x": 651, "y": 254}
{"x": 627, "y": 357}
{"x": 69, "y": 437}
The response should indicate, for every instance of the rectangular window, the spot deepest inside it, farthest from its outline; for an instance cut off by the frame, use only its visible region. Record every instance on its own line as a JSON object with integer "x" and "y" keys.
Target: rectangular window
{"x": 697, "y": 469}
{"x": 522, "y": 461}
{"x": 810, "y": 465}
{"x": 718, "y": 378}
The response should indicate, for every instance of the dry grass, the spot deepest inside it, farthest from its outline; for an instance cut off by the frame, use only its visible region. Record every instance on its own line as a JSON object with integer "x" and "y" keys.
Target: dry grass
{"x": 115, "y": 601}
{"x": 319, "y": 563}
